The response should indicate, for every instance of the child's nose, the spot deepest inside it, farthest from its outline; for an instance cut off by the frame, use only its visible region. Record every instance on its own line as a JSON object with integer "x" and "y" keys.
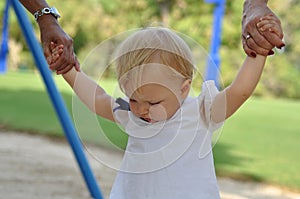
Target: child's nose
{"x": 143, "y": 108}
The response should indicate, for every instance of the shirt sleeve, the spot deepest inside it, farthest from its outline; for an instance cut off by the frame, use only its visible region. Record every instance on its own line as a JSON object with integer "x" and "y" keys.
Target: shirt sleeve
{"x": 206, "y": 98}
{"x": 121, "y": 112}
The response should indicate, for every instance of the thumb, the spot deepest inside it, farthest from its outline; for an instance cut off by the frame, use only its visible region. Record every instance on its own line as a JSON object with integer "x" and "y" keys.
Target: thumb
{"x": 47, "y": 51}
{"x": 49, "y": 60}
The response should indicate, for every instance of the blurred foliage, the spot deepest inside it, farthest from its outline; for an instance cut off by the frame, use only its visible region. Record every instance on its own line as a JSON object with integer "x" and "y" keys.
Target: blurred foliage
{"x": 91, "y": 21}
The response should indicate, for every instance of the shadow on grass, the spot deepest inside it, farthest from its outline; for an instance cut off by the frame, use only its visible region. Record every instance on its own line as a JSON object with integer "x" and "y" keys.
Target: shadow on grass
{"x": 225, "y": 158}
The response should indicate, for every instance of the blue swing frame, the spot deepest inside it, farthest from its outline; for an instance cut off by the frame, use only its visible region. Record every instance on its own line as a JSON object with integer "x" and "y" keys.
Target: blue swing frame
{"x": 57, "y": 101}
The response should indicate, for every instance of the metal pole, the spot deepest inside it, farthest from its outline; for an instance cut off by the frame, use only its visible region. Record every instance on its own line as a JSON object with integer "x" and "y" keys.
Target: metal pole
{"x": 4, "y": 42}
{"x": 57, "y": 101}
{"x": 213, "y": 62}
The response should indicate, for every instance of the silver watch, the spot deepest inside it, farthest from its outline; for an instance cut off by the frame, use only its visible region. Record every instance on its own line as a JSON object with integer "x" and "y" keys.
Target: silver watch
{"x": 53, "y": 11}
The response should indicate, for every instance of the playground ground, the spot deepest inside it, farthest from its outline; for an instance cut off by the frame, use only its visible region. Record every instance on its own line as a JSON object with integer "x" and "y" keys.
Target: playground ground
{"x": 35, "y": 166}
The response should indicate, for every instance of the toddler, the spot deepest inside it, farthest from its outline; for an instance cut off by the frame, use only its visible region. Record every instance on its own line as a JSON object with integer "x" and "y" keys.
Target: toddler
{"x": 168, "y": 155}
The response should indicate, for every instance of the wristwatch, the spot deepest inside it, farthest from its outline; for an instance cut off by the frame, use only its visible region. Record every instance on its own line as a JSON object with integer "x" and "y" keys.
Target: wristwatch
{"x": 53, "y": 11}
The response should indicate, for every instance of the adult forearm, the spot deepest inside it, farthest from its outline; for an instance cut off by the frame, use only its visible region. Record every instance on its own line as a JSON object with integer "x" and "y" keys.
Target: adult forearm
{"x": 34, "y": 5}
{"x": 44, "y": 21}
{"x": 250, "y": 4}
{"x": 256, "y": 2}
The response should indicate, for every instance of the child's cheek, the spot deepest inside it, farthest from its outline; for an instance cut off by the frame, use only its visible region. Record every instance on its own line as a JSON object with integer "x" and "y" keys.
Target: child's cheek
{"x": 158, "y": 113}
{"x": 133, "y": 108}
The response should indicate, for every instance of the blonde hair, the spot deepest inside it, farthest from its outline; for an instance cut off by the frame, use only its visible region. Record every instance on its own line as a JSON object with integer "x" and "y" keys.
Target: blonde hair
{"x": 144, "y": 45}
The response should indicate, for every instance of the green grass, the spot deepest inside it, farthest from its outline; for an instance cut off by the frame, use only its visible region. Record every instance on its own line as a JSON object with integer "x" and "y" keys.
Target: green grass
{"x": 260, "y": 142}
{"x": 25, "y": 106}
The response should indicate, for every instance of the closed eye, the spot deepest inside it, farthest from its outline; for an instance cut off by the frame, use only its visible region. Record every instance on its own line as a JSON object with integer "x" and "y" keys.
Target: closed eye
{"x": 154, "y": 103}
{"x": 132, "y": 100}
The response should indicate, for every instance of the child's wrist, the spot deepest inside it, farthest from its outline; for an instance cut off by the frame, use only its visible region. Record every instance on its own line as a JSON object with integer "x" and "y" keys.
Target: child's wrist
{"x": 71, "y": 72}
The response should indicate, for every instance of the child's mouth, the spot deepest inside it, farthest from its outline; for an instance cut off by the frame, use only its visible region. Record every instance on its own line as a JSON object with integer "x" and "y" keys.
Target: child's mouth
{"x": 147, "y": 120}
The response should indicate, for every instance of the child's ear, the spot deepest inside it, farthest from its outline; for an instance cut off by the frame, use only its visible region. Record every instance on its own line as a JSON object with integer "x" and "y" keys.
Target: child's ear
{"x": 185, "y": 88}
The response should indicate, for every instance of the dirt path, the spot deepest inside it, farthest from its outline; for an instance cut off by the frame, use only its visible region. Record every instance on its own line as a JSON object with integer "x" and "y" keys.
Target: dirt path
{"x": 35, "y": 167}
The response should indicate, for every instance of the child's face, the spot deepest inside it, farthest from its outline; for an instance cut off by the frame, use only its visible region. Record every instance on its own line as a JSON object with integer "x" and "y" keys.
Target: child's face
{"x": 153, "y": 103}
{"x": 159, "y": 94}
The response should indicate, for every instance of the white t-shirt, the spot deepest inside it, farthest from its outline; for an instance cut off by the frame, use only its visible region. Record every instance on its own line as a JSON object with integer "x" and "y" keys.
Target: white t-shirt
{"x": 171, "y": 159}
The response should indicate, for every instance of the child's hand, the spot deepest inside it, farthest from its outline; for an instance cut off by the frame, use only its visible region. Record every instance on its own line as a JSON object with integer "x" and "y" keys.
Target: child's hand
{"x": 56, "y": 51}
{"x": 269, "y": 23}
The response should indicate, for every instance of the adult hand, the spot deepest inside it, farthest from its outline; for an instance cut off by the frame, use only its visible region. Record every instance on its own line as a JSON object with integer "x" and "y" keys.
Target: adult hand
{"x": 51, "y": 31}
{"x": 259, "y": 42}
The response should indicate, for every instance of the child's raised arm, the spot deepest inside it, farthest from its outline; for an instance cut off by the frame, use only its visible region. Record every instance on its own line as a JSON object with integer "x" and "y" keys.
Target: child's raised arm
{"x": 88, "y": 91}
{"x": 232, "y": 97}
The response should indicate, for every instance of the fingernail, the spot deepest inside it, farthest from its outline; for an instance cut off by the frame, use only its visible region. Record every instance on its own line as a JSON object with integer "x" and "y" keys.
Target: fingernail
{"x": 271, "y": 52}
{"x": 253, "y": 54}
{"x": 281, "y": 46}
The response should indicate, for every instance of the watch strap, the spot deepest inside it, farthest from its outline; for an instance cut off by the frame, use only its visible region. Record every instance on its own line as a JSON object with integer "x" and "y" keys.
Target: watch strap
{"x": 46, "y": 10}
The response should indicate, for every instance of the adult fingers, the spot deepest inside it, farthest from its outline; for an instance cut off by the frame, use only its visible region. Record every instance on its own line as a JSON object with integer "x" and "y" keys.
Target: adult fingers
{"x": 64, "y": 70}
{"x": 248, "y": 50}
{"x": 260, "y": 41}
{"x": 66, "y": 66}
{"x": 275, "y": 38}
{"x": 64, "y": 60}
{"x": 257, "y": 44}
{"x": 252, "y": 48}
{"x": 60, "y": 63}
{"x": 70, "y": 58}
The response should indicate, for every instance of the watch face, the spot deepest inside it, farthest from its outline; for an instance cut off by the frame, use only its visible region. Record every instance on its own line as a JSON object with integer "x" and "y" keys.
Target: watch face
{"x": 55, "y": 12}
